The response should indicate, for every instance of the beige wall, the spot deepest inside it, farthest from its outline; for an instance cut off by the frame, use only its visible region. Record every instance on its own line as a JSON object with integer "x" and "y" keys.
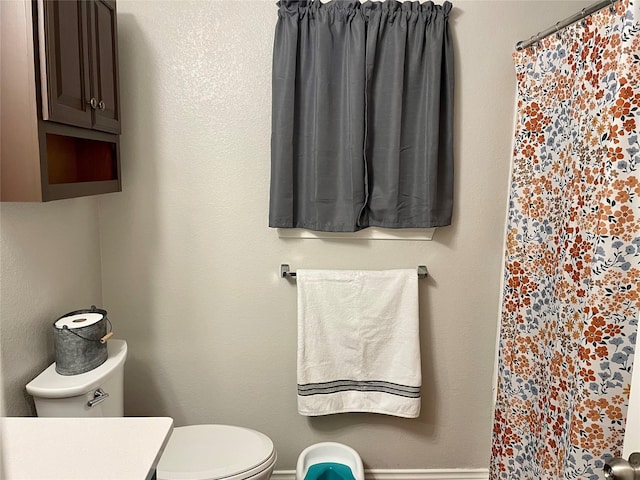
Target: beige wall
{"x": 190, "y": 269}
{"x": 49, "y": 265}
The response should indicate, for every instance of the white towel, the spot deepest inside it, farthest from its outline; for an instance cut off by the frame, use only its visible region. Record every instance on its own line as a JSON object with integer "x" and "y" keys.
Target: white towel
{"x": 358, "y": 343}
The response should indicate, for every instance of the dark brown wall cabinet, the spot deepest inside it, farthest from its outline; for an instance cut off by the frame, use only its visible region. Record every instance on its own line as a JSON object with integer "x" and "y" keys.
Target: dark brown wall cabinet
{"x": 81, "y": 64}
{"x": 60, "y": 97}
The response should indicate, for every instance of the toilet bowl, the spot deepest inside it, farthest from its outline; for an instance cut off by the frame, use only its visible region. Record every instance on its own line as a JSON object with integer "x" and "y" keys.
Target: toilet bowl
{"x": 196, "y": 452}
{"x": 209, "y": 452}
{"x": 329, "y": 461}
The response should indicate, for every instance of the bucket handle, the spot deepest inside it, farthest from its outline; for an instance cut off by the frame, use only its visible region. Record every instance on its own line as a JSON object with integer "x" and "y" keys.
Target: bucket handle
{"x": 102, "y": 340}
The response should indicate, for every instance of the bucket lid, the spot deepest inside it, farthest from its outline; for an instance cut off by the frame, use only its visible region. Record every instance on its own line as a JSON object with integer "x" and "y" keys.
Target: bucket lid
{"x": 209, "y": 452}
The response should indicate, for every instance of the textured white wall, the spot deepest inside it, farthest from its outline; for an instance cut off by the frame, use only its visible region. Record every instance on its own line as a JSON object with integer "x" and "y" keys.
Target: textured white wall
{"x": 190, "y": 269}
{"x": 49, "y": 265}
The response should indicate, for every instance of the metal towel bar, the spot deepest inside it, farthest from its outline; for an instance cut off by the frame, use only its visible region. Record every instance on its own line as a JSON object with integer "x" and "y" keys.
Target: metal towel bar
{"x": 286, "y": 273}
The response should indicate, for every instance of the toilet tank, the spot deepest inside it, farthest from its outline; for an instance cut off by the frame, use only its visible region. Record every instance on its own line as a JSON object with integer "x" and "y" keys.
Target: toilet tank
{"x": 96, "y": 393}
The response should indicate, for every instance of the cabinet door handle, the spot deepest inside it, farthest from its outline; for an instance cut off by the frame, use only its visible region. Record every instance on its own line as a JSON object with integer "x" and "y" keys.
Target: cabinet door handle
{"x": 93, "y": 102}
{"x": 102, "y": 105}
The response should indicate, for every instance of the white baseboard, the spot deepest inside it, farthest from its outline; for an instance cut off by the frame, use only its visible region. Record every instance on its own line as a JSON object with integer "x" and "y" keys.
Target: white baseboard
{"x": 407, "y": 474}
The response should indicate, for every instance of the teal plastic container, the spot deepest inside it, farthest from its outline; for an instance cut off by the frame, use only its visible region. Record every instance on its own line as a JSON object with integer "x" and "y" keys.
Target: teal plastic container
{"x": 329, "y": 471}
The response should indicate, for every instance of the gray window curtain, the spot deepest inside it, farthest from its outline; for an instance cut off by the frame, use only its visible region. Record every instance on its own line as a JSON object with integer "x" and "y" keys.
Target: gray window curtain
{"x": 362, "y": 119}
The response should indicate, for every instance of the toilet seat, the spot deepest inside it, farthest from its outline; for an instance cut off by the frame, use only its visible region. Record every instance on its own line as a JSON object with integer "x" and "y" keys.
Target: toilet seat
{"x": 215, "y": 452}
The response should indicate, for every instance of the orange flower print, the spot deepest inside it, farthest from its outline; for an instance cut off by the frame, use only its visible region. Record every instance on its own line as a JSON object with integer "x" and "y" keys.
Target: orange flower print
{"x": 626, "y": 93}
{"x": 622, "y": 196}
{"x": 624, "y": 214}
{"x": 615, "y": 154}
{"x": 614, "y": 42}
{"x": 535, "y": 124}
{"x": 616, "y": 229}
{"x": 614, "y": 131}
{"x": 618, "y": 399}
{"x": 612, "y": 330}
{"x": 614, "y": 412}
{"x": 593, "y": 415}
{"x": 584, "y": 353}
{"x": 593, "y": 335}
{"x": 528, "y": 151}
{"x": 594, "y": 432}
{"x": 588, "y": 375}
{"x": 629, "y": 125}
{"x": 621, "y": 108}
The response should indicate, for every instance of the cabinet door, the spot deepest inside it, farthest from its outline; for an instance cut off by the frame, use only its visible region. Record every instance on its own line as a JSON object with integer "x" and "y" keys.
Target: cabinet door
{"x": 104, "y": 58}
{"x": 65, "y": 63}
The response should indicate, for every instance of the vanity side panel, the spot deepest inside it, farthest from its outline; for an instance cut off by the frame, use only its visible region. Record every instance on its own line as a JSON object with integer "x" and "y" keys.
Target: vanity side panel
{"x": 19, "y": 151}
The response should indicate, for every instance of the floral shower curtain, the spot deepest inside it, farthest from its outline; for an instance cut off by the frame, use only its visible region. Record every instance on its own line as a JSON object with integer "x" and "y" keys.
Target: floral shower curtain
{"x": 572, "y": 272}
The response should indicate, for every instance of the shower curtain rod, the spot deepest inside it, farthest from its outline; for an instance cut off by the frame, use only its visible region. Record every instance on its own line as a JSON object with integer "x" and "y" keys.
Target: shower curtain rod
{"x": 585, "y": 12}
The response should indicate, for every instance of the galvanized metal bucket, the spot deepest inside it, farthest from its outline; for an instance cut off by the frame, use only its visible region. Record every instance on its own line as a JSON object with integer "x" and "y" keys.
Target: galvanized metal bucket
{"x": 81, "y": 340}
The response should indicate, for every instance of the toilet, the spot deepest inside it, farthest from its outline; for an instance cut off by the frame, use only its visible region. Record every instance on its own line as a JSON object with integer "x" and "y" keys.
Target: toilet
{"x": 196, "y": 452}
{"x": 329, "y": 461}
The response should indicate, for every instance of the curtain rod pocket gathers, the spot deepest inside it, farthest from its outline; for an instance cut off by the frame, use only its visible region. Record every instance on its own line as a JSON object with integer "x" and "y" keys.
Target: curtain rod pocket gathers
{"x": 302, "y": 7}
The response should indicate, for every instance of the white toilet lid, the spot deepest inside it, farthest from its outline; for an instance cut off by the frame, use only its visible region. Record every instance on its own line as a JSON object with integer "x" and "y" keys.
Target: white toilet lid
{"x": 209, "y": 452}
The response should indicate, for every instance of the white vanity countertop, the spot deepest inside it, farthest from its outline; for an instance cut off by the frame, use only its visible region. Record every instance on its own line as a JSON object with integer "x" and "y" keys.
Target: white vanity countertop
{"x": 124, "y": 448}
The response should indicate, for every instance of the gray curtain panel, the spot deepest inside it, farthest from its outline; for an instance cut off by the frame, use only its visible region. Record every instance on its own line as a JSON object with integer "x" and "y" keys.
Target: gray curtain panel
{"x": 362, "y": 116}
